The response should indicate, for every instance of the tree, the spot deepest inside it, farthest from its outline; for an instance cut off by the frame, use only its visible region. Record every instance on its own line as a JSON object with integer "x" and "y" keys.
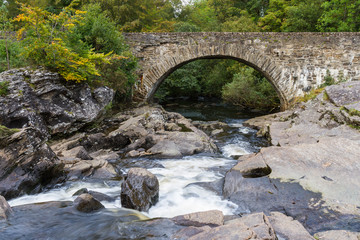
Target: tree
{"x": 141, "y": 15}
{"x": 250, "y": 90}
{"x": 45, "y": 42}
{"x": 274, "y": 17}
{"x": 302, "y": 16}
{"x": 340, "y": 16}
{"x": 244, "y": 23}
{"x": 98, "y": 32}
{"x": 5, "y": 28}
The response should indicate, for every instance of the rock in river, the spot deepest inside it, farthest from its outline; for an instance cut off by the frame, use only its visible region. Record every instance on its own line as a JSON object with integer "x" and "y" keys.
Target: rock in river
{"x": 87, "y": 203}
{"x": 27, "y": 164}
{"x": 5, "y": 209}
{"x": 140, "y": 190}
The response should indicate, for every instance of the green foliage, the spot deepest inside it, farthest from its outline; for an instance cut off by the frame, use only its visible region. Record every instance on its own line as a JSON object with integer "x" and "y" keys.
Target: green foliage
{"x": 141, "y": 15}
{"x": 243, "y": 23}
{"x": 185, "y": 81}
{"x": 98, "y": 31}
{"x": 15, "y": 51}
{"x": 6, "y": 132}
{"x": 45, "y": 42}
{"x": 5, "y": 31}
{"x": 302, "y": 16}
{"x": 250, "y": 91}
{"x": 340, "y": 16}
{"x": 119, "y": 74}
{"x": 310, "y": 95}
{"x": 185, "y": 27}
{"x": 4, "y": 88}
{"x": 328, "y": 80}
{"x": 275, "y": 16}
{"x": 202, "y": 15}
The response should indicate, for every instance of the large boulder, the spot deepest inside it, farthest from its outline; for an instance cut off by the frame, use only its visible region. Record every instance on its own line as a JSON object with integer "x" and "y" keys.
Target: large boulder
{"x": 44, "y": 100}
{"x": 162, "y": 134}
{"x": 87, "y": 203}
{"x": 27, "y": 164}
{"x": 200, "y": 219}
{"x": 313, "y": 161}
{"x": 5, "y": 209}
{"x": 140, "y": 189}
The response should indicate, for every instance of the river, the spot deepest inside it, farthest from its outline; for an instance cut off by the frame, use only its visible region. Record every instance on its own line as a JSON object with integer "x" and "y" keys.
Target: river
{"x": 189, "y": 184}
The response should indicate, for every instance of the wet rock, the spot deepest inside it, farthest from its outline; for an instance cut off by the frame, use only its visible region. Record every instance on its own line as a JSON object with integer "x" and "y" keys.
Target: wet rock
{"x": 166, "y": 149}
{"x": 133, "y": 153}
{"x": 266, "y": 195}
{"x": 87, "y": 203}
{"x": 188, "y": 232}
{"x": 43, "y": 100}
{"x": 81, "y": 153}
{"x": 27, "y": 164}
{"x": 252, "y": 167}
{"x": 97, "y": 168}
{"x": 163, "y": 134}
{"x": 211, "y": 218}
{"x": 101, "y": 196}
{"x": 81, "y": 191}
{"x": 140, "y": 190}
{"x": 5, "y": 209}
{"x": 97, "y": 195}
{"x": 287, "y": 228}
{"x": 211, "y": 126}
{"x": 317, "y": 147}
{"x": 313, "y": 161}
{"x": 216, "y": 132}
{"x": 338, "y": 234}
{"x": 259, "y": 223}
{"x": 238, "y": 231}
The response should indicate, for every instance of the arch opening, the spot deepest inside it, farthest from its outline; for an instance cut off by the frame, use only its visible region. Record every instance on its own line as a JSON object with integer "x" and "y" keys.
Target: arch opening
{"x": 263, "y": 73}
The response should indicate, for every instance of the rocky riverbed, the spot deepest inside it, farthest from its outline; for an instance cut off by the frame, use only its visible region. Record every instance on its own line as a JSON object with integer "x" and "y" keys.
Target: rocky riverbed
{"x": 304, "y": 186}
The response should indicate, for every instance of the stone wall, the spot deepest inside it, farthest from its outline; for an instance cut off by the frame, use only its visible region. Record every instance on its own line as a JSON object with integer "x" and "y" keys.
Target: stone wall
{"x": 293, "y": 62}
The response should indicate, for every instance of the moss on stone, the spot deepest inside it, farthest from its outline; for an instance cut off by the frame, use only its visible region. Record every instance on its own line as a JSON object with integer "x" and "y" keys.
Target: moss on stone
{"x": 4, "y": 88}
{"x": 6, "y": 132}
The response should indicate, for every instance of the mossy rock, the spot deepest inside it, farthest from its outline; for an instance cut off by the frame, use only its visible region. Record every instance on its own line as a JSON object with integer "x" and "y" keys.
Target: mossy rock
{"x": 6, "y": 132}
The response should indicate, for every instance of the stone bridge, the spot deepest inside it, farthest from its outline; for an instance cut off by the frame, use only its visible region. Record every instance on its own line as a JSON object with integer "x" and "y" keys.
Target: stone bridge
{"x": 294, "y": 63}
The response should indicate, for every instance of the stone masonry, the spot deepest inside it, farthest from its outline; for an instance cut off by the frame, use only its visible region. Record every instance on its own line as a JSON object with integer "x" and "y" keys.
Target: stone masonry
{"x": 294, "y": 63}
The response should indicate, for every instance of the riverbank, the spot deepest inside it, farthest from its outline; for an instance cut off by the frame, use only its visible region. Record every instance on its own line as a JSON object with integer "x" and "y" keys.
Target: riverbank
{"x": 302, "y": 186}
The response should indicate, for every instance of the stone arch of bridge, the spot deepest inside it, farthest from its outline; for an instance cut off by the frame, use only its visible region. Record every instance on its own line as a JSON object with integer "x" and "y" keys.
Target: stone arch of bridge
{"x": 168, "y": 63}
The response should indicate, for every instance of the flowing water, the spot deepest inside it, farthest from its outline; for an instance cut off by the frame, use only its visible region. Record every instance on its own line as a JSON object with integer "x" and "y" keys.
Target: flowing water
{"x": 190, "y": 184}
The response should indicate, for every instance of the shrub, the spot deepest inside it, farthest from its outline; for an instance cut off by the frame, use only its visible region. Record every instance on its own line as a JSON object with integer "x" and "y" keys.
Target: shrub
{"x": 249, "y": 90}
{"x": 328, "y": 80}
{"x": 46, "y": 38}
{"x": 15, "y": 52}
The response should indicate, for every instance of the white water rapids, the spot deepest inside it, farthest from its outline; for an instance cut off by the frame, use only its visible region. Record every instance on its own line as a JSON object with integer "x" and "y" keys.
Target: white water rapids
{"x": 179, "y": 193}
